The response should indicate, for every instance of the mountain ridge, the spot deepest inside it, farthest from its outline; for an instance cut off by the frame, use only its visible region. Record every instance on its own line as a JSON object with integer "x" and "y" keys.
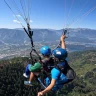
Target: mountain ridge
{"x": 19, "y": 36}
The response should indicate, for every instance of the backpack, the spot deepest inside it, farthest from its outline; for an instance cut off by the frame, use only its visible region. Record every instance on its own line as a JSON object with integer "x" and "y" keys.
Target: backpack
{"x": 67, "y": 71}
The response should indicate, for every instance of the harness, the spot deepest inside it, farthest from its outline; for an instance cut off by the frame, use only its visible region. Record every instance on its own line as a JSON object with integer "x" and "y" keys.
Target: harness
{"x": 66, "y": 70}
{"x": 48, "y": 64}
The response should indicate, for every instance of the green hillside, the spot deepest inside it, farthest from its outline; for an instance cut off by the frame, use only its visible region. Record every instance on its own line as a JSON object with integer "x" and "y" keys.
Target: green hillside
{"x": 84, "y": 64}
{"x": 83, "y": 61}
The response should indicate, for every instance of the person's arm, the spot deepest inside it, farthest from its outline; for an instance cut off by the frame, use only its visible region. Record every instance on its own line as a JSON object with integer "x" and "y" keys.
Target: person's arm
{"x": 53, "y": 81}
{"x": 62, "y": 39}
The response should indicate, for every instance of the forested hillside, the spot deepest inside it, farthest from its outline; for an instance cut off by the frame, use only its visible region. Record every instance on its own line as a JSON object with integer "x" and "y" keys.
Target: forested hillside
{"x": 84, "y": 63}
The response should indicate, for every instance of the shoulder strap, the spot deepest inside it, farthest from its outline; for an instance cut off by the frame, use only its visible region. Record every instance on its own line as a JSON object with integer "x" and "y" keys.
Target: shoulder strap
{"x": 57, "y": 67}
{"x": 70, "y": 73}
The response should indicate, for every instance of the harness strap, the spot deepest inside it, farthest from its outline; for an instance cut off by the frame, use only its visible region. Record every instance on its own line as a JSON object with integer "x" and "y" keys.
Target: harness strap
{"x": 29, "y": 32}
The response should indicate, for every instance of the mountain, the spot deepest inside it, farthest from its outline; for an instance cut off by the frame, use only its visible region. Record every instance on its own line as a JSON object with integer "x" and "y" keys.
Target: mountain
{"x": 13, "y": 36}
{"x": 18, "y": 36}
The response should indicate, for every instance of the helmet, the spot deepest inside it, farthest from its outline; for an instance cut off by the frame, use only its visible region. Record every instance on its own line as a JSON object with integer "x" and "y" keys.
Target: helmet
{"x": 45, "y": 50}
{"x": 60, "y": 53}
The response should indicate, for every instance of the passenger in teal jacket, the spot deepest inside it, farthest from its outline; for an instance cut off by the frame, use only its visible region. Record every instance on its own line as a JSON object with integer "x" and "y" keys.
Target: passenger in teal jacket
{"x": 57, "y": 78}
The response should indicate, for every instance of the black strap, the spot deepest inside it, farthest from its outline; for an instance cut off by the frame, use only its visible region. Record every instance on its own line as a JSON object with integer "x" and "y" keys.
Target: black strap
{"x": 29, "y": 32}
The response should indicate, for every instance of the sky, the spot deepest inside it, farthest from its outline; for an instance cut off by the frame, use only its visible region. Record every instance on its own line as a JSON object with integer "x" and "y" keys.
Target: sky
{"x": 52, "y": 14}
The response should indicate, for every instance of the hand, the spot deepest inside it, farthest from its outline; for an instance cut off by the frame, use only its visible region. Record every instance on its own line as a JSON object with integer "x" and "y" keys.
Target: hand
{"x": 40, "y": 94}
{"x": 62, "y": 38}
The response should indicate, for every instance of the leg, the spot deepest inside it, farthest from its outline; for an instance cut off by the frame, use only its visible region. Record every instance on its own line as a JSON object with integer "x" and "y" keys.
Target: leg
{"x": 31, "y": 76}
{"x": 32, "y": 70}
{"x": 27, "y": 72}
{"x": 30, "y": 79}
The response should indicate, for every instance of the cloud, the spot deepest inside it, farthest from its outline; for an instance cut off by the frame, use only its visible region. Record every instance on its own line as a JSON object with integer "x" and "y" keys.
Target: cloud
{"x": 16, "y": 15}
{"x": 16, "y": 21}
{"x": 31, "y": 21}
